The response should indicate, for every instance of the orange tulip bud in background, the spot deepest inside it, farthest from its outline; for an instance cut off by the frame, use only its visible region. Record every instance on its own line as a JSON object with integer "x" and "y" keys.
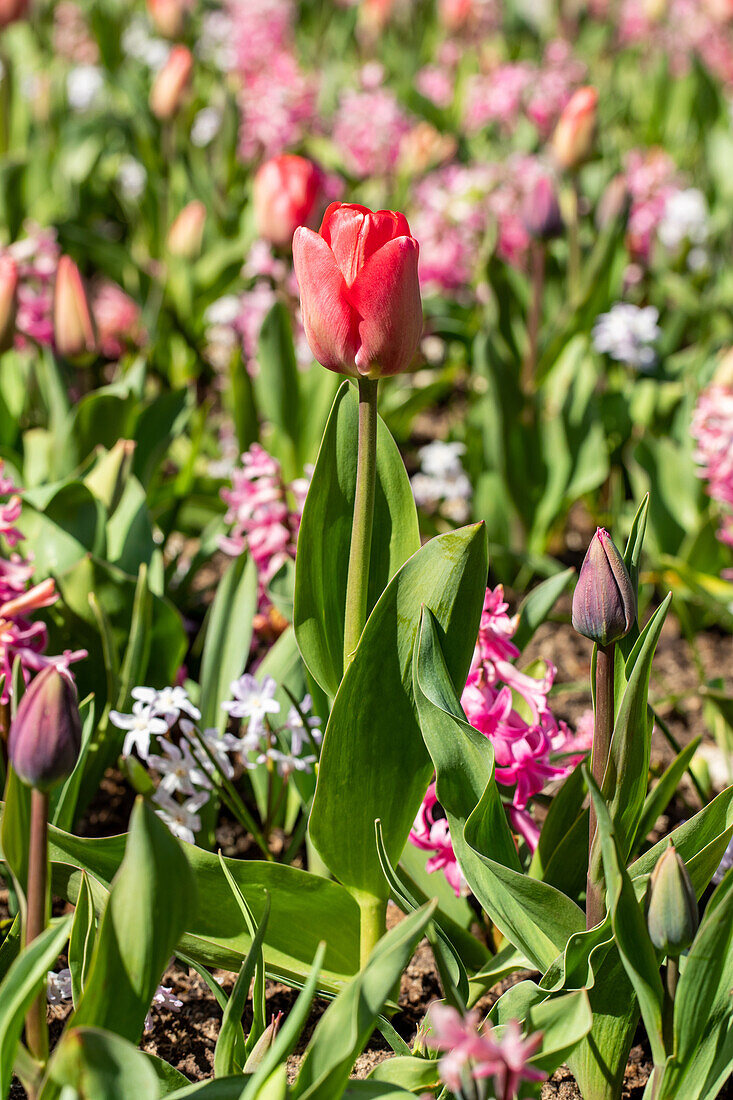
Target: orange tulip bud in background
{"x": 186, "y": 233}
{"x": 572, "y": 142}
{"x": 359, "y": 290}
{"x": 73, "y": 326}
{"x": 169, "y": 16}
{"x": 288, "y": 192}
{"x": 171, "y": 82}
{"x": 8, "y": 300}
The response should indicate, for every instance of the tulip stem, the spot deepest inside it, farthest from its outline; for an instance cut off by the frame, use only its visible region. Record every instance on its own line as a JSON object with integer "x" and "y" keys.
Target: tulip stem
{"x": 535, "y": 314}
{"x": 602, "y": 733}
{"x": 373, "y": 912}
{"x": 36, "y": 1027}
{"x": 357, "y": 584}
{"x": 574, "y": 257}
{"x": 671, "y": 977}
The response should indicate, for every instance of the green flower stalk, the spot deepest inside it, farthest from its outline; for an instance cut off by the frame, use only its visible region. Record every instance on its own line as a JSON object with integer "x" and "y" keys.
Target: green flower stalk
{"x": 43, "y": 748}
{"x": 604, "y": 610}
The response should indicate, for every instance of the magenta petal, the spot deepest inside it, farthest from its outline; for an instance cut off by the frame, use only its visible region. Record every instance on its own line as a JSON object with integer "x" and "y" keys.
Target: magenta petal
{"x": 329, "y": 320}
{"x": 386, "y": 295}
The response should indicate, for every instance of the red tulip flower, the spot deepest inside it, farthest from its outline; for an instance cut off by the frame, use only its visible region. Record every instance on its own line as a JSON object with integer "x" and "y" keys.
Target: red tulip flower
{"x": 170, "y": 84}
{"x": 359, "y": 290}
{"x": 288, "y": 192}
{"x": 572, "y": 141}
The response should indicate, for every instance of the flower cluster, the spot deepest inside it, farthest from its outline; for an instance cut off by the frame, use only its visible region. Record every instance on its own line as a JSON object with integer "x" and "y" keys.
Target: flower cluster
{"x": 473, "y": 1052}
{"x": 192, "y": 761}
{"x": 37, "y": 256}
{"x": 682, "y": 29}
{"x": 712, "y": 430}
{"x": 368, "y": 128}
{"x": 441, "y": 483}
{"x": 519, "y": 89}
{"x": 627, "y": 333}
{"x": 264, "y": 514}
{"x": 511, "y": 708}
{"x": 651, "y": 179}
{"x": 20, "y": 636}
{"x": 277, "y": 99}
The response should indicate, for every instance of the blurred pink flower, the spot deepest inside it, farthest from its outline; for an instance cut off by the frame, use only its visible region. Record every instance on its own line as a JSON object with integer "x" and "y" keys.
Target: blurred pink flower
{"x": 264, "y": 513}
{"x": 478, "y": 1052}
{"x": 37, "y": 256}
{"x": 651, "y": 177}
{"x": 367, "y": 129}
{"x": 117, "y": 317}
{"x": 437, "y": 84}
{"x": 712, "y": 430}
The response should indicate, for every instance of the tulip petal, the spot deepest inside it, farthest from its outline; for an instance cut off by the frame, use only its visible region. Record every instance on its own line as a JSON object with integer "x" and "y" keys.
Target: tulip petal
{"x": 386, "y": 294}
{"x": 355, "y": 233}
{"x": 330, "y": 322}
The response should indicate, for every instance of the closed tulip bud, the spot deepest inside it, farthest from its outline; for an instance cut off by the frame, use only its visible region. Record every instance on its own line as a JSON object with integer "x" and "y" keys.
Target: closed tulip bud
{"x": 604, "y": 602}
{"x": 359, "y": 290}
{"x": 613, "y": 202}
{"x": 187, "y": 232}
{"x": 8, "y": 300}
{"x": 45, "y": 734}
{"x": 287, "y": 192}
{"x": 671, "y": 906}
{"x": 169, "y": 16}
{"x": 12, "y": 10}
{"x": 73, "y": 326}
{"x": 170, "y": 84}
{"x": 572, "y": 142}
{"x": 263, "y": 1044}
{"x": 541, "y": 211}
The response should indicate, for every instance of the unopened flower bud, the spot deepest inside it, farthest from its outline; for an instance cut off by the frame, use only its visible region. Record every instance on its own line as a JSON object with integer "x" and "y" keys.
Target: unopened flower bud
{"x": 263, "y": 1044}
{"x": 613, "y": 202}
{"x": 187, "y": 232}
{"x": 169, "y": 16}
{"x": 671, "y": 906}
{"x": 572, "y": 141}
{"x": 8, "y": 300}
{"x": 170, "y": 84}
{"x": 287, "y": 191}
{"x": 541, "y": 211}
{"x": 12, "y": 10}
{"x": 45, "y": 734}
{"x": 73, "y": 326}
{"x": 604, "y": 602}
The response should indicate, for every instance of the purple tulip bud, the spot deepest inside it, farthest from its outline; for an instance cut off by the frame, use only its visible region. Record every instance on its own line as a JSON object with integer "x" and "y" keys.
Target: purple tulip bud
{"x": 541, "y": 212}
{"x": 671, "y": 906}
{"x": 604, "y": 603}
{"x": 45, "y": 734}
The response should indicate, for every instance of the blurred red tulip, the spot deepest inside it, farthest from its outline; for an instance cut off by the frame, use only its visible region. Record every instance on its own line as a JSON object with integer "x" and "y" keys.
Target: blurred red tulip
{"x": 288, "y": 192}
{"x": 73, "y": 326}
{"x": 8, "y": 300}
{"x": 12, "y": 10}
{"x": 572, "y": 142}
{"x": 170, "y": 84}
{"x": 359, "y": 290}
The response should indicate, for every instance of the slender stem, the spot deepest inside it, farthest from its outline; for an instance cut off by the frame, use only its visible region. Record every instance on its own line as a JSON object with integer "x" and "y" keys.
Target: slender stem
{"x": 602, "y": 733}
{"x": 535, "y": 314}
{"x": 36, "y": 1027}
{"x": 373, "y": 923}
{"x": 357, "y": 585}
{"x": 574, "y": 240}
{"x": 671, "y": 977}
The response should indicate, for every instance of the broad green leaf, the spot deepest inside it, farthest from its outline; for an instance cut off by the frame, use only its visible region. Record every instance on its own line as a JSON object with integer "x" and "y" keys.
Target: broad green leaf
{"x": 214, "y": 933}
{"x": 10, "y": 947}
{"x": 629, "y": 928}
{"x": 344, "y": 1029}
{"x": 276, "y": 385}
{"x": 15, "y": 832}
{"x": 373, "y": 760}
{"x": 565, "y": 810}
{"x": 534, "y": 916}
{"x": 230, "y": 1053}
{"x": 663, "y": 792}
{"x": 324, "y": 538}
{"x": 228, "y": 638}
{"x": 564, "y": 1023}
{"x": 21, "y": 986}
{"x": 169, "y": 1078}
{"x": 625, "y": 780}
{"x": 95, "y": 1063}
{"x": 413, "y": 1074}
{"x": 61, "y": 526}
{"x": 81, "y": 940}
{"x": 149, "y": 901}
{"x": 535, "y": 607}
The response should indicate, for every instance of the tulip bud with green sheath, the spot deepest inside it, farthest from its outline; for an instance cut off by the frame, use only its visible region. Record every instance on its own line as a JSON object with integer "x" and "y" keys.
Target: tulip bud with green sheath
{"x": 43, "y": 748}
{"x": 604, "y": 610}
{"x": 672, "y": 919}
